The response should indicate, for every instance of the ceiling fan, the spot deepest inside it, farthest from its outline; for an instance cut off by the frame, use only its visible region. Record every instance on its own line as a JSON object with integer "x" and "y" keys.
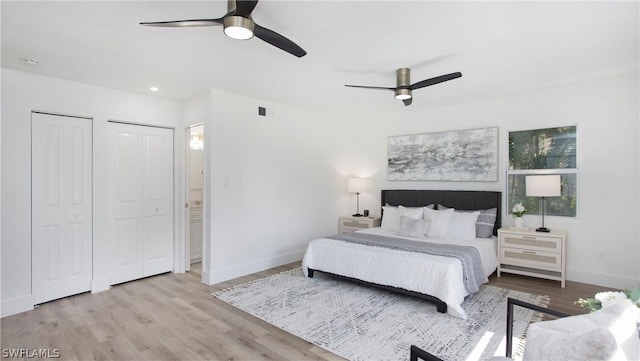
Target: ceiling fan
{"x": 404, "y": 87}
{"x": 238, "y": 24}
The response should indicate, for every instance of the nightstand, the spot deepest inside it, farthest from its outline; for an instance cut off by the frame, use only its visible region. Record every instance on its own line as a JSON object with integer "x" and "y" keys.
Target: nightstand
{"x": 527, "y": 252}
{"x": 352, "y": 224}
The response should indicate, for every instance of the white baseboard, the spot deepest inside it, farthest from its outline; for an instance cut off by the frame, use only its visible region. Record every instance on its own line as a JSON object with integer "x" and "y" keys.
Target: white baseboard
{"x": 100, "y": 284}
{"x": 16, "y": 305}
{"x": 207, "y": 278}
{"x": 599, "y": 279}
{"x": 225, "y": 274}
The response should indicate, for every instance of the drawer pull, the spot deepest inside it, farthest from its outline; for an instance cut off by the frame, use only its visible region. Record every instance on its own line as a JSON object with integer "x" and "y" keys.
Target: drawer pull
{"x": 529, "y": 252}
{"x": 529, "y": 237}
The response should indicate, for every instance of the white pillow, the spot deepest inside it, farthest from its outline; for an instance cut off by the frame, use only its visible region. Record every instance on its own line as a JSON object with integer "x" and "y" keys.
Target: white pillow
{"x": 391, "y": 215}
{"x": 463, "y": 224}
{"x": 485, "y": 223}
{"x": 440, "y": 226}
{"x": 411, "y": 212}
{"x": 416, "y": 228}
{"x": 389, "y": 218}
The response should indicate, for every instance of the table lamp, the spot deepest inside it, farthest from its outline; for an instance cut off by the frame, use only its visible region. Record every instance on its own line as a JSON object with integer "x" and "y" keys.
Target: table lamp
{"x": 542, "y": 186}
{"x": 356, "y": 185}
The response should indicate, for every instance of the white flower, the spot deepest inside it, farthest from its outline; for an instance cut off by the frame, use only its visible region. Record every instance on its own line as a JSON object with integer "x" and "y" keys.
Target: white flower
{"x": 518, "y": 210}
{"x": 610, "y": 298}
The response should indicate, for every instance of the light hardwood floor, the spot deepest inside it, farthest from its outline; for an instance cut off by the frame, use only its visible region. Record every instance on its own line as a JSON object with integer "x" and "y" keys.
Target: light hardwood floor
{"x": 174, "y": 316}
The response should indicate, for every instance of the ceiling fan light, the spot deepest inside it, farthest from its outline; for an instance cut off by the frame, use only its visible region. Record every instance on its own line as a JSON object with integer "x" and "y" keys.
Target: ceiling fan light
{"x": 403, "y": 94}
{"x": 238, "y": 27}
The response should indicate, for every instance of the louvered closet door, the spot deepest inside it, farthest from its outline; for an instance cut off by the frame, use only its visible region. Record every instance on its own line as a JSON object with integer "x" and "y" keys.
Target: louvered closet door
{"x": 61, "y": 203}
{"x": 140, "y": 201}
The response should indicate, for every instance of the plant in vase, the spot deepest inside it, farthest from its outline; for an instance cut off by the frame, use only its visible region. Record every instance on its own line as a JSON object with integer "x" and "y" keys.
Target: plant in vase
{"x": 606, "y": 299}
{"x": 518, "y": 211}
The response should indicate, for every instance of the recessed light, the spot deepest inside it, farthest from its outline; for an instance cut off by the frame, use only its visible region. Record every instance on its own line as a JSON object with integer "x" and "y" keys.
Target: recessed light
{"x": 29, "y": 61}
{"x": 154, "y": 88}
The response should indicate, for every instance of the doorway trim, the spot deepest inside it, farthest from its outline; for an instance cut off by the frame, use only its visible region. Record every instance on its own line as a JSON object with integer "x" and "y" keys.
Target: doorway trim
{"x": 186, "y": 191}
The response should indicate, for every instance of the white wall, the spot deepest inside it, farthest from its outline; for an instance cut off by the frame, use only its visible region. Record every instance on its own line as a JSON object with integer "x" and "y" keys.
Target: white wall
{"x": 272, "y": 183}
{"x": 606, "y": 113}
{"x": 22, "y": 93}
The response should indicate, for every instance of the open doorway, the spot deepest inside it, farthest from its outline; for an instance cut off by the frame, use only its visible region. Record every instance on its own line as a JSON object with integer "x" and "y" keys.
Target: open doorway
{"x": 195, "y": 191}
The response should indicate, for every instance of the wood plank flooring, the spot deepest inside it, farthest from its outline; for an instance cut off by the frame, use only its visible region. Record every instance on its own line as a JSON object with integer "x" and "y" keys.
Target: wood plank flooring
{"x": 174, "y": 316}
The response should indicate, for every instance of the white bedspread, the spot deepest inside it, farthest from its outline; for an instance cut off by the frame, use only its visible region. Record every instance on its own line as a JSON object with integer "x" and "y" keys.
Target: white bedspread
{"x": 437, "y": 276}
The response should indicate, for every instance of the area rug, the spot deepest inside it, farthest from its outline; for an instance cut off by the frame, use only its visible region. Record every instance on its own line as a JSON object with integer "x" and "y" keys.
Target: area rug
{"x": 365, "y": 323}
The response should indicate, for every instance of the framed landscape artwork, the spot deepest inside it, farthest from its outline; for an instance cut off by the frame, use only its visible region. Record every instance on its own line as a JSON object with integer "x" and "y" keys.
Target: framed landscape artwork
{"x": 461, "y": 155}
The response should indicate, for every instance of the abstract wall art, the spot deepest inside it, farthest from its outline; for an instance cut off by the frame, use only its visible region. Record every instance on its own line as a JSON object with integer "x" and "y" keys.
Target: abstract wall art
{"x": 462, "y": 155}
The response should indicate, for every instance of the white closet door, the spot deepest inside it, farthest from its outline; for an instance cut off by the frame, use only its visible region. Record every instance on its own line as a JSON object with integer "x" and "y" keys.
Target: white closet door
{"x": 125, "y": 202}
{"x": 61, "y": 153}
{"x": 158, "y": 201}
{"x": 140, "y": 201}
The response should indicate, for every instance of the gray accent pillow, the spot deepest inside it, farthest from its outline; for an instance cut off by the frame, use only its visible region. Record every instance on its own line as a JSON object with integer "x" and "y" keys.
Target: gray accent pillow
{"x": 485, "y": 222}
{"x": 410, "y": 227}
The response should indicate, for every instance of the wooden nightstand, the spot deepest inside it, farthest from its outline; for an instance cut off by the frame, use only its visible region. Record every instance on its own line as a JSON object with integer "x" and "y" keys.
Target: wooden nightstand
{"x": 530, "y": 253}
{"x": 352, "y": 224}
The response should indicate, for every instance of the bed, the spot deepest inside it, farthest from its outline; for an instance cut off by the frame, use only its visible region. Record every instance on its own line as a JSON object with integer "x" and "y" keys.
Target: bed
{"x": 441, "y": 278}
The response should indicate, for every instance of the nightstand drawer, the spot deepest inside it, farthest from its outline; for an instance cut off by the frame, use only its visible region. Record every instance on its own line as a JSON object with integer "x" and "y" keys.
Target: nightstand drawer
{"x": 531, "y": 242}
{"x": 531, "y": 258}
{"x": 352, "y": 224}
{"x": 355, "y": 224}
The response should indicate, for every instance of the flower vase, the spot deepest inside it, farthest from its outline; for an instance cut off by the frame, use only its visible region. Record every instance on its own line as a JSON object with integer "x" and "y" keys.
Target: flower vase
{"x": 518, "y": 222}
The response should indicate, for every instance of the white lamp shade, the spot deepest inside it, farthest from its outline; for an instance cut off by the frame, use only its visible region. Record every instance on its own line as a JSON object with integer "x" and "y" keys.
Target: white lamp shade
{"x": 542, "y": 185}
{"x": 356, "y": 185}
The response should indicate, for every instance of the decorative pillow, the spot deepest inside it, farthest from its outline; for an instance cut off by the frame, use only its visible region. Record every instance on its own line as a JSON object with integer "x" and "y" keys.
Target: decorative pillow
{"x": 607, "y": 334}
{"x": 412, "y": 212}
{"x": 485, "y": 222}
{"x": 410, "y": 227}
{"x": 463, "y": 224}
{"x": 440, "y": 226}
{"x": 391, "y": 215}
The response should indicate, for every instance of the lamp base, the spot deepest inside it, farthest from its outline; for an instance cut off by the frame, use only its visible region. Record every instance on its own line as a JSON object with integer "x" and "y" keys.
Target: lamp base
{"x": 357, "y": 215}
{"x": 543, "y": 229}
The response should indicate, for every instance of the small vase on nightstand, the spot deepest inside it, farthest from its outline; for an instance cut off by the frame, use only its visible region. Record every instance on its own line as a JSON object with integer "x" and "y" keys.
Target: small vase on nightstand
{"x": 518, "y": 222}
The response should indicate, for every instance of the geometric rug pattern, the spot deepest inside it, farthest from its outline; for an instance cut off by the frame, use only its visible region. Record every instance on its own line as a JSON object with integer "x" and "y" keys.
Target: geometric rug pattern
{"x": 359, "y": 322}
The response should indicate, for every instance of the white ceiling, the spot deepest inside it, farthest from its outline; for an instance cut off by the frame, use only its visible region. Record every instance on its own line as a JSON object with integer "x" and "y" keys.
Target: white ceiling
{"x": 500, "y": 47}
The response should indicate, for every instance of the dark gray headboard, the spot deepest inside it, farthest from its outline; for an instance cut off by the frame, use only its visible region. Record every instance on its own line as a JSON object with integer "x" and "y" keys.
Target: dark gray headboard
{"x": 463, "y": 200}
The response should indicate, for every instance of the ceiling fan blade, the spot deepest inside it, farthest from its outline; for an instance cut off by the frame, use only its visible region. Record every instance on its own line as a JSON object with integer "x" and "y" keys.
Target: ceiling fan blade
{"x": 370, "y": 87}
{"x": 436, "y": 80}
{"x": 245, "y": 7}
{"x": 278, "y": 41}
{"x": 407, "y": 102}
{"x": 185, "y": 23}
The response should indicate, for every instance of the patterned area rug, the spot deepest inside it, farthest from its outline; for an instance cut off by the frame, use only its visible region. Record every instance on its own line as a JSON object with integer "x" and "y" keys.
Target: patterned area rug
{"x": 364, "y": 323}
